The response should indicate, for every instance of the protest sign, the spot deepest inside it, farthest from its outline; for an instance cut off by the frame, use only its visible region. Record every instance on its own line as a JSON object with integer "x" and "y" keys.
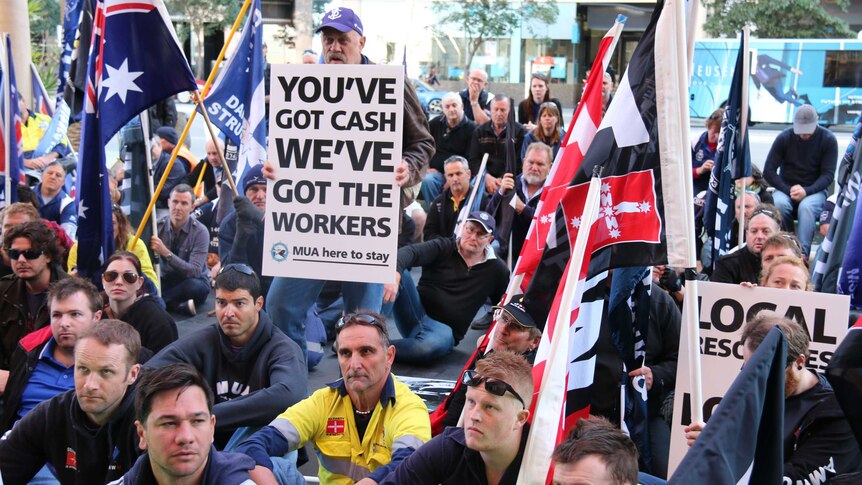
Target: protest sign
{"x": 723, "y": 309}
{"x": 334, "y": 139}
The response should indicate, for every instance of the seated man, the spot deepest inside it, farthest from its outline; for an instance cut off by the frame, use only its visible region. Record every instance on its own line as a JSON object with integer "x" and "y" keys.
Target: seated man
{"x": 452, "y": 134}
{"x": 33, "y": 128}
{"x": 55, "y": 204}
{"x": 458, "y": 275}
{"x": 491, "y": 138}
{"x": 362, "y": 425}
{"x": 255, "y": 369}
{"x": 212, "y": 169}
{"x": 168, "y": 139}
{"x": 444, "y": 210}
{"x": 801, "y": 167}
{"x": 240, "y": 234}
{"x": 743, "y": 264}
{"x": 182, "y": 244}
{"x": 528, "y": 189}
{"x": 490, "y": 446}
{"x": 86, "y": 435}
{"x": 596, "y": 451}
{"x": 43, "y": 364}
{"x": 34, "y": 256}
{"x": 175, "y": 422}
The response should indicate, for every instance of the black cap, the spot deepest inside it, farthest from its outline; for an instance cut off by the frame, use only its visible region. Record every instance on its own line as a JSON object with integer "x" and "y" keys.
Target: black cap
{"x": 515, "y": 307}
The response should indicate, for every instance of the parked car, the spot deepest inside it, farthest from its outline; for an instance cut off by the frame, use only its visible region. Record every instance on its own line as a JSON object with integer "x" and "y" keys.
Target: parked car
{"x": 429, "y": 97}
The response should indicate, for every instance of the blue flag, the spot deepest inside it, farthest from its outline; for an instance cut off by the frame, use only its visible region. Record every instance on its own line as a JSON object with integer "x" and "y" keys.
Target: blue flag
{"x": 732, "y": 161}
{"x": 236, "y": 102}
{"x": 135, "y": 61}
{"x": 13, "y": 152}
{"x": 71, "y": 17}
{"x": 41, "y": 100}
{"x": 747, "y": 427}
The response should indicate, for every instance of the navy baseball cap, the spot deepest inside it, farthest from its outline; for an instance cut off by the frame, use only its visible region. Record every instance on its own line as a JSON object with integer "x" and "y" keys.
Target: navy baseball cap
{"x": 341, "y": 19}
{"x": 253, "y": 176}
{"x": 484, "y": 219}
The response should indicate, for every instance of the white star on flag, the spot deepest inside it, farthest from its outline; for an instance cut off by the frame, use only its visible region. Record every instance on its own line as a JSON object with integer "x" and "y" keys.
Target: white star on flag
{"x": 614, "y": 233}
{"x": 576, "y": 222}
{"x": 121, "y": 81}
{"x": 546, "y": 219}
{"x": 606, "y": 187}
{"x": 645, "y": 206}
{"x": 82, "y": 209}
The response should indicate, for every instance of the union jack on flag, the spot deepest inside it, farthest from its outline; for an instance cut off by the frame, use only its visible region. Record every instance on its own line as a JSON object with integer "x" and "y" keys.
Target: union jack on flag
{"x": 135, "y": 61}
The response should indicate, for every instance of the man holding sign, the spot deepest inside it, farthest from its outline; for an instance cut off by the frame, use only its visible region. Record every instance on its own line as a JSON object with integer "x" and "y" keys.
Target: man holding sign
{"x": 293, "y": 246}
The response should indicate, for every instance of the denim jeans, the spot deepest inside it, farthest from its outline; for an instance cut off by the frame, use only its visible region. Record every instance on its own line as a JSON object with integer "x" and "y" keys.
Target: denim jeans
{"x": 432, "y": 186}
{"x": 289, "y": 299}
{"x": 807, "y": 215}
{"x": 424, "y": 339}
{"x": 284, "y": 467}
{"x": 197, "y": 289}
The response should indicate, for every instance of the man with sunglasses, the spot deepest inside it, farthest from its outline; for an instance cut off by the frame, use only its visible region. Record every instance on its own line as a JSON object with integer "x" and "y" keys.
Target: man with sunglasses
{"x": 490, "y": 445}
{"x": 254, "y": 369}
{"x": 458, "y": 275}
{"x": 362, "y": 425}
{"x": 743, "y": 264}
{"x": 35, "y": 259}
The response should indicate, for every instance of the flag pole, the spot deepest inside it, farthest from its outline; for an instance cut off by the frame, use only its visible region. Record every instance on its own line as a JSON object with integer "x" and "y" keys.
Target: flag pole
{"x": 549, "y": 405}
{"x": 463, "y": 215}
{"x": 200, "y": 179}
{"x": 4, "y": 63}
{"x": 191, "y": 119}
{"x": 145, "y": 126}
{"x": 743, "y": 120}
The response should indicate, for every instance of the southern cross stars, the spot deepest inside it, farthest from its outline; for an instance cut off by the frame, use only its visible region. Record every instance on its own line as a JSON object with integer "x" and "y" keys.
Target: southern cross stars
{"x": 120, "y": 81}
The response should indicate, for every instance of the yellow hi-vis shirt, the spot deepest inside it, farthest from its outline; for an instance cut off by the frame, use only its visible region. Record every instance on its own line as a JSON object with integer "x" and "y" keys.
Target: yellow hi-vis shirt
{"x": 325, "y": 418}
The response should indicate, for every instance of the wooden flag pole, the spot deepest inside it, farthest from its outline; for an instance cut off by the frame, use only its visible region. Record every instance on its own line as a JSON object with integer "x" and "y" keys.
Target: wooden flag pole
{"x": 743, "y": 123}
{"x": 191, "y": 119}
{"x": 199, "y": 100}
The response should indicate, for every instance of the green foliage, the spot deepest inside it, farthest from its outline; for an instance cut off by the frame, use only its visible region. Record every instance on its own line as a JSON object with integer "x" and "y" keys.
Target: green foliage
{"x": 774, "y": 19}
{"x": 201, "y": 17}
{"x": 44, "y": 17}
{"x": 492, "y": 19}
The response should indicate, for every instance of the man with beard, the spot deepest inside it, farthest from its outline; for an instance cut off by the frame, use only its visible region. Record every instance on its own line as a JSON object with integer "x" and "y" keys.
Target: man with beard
{"x": 528, "y": 189}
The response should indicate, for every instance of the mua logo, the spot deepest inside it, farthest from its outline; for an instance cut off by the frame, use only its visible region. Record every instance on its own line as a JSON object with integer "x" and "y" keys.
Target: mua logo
{"x": 335, "y": 14}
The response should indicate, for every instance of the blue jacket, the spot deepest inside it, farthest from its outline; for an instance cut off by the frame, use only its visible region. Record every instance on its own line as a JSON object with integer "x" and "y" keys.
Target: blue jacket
{"x": 62, "y": 209}
{"x": 221, "y": 469}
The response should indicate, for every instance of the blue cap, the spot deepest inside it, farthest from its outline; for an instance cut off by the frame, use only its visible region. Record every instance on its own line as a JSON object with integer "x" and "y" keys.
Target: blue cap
{"x": 484, "y": 219}
{"x": 168, "y": 134}
{"x": 342, "y": 19}
{"x": 253, "y": 176}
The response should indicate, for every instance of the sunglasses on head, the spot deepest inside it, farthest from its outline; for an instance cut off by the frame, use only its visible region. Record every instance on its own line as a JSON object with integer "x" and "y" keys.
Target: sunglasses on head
{"x": 29, "y": 254}
{"x": 494, "y": 386}
{"x": 361, "y": 319}
{"x": 128, "y": 277}
{"x": 239, "y": 267}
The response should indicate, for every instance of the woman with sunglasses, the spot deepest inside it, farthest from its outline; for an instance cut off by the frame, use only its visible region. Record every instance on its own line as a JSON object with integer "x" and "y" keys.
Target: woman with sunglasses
{"x": 548, "y": 131}
{"x": 540, "y": 93}
{"x": 123, "y": 281}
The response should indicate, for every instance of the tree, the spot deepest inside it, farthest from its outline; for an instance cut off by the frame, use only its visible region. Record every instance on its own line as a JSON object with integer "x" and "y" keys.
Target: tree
{"x": 480, "y": 20}
{"x": 44, "y": 49}
{"x": 775, "y": 19}
{"x": 204, "y": 16}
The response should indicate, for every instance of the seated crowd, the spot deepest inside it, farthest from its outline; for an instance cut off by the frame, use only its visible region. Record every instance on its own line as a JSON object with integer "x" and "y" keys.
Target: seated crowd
{"x": 97, "y": 386}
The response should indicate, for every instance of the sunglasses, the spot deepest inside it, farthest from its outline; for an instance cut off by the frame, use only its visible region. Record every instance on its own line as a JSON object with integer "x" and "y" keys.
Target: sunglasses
{"x": 128, "y": 277}
{"x": 494, "y": 386}
{"x": 361, "y": 319}
{"x": 238, "y": 267}
{"x": 29, "y": 254}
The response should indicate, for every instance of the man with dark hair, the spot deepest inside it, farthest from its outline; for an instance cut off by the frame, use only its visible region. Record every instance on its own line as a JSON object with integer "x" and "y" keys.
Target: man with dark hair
{"x": 86, "y": 435}
{"x": 254, "y": 368}
{"x": 458, "y": 276}
{"x": 362, "y": 425}
{"x": 491, "y": 138}
{"x": 43, "y": 364}
{"x": 240, "y": 234}
{"x": 596, "y": 451}
{"x": 182, "y": 244}
{"x": 490, "y": 445}
{"x": 35, "y": 259}
{"x": 175, "y": 423}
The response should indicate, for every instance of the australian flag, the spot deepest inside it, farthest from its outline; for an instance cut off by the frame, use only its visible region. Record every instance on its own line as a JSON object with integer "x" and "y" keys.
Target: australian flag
{"x": 135, "y": 61}
{"x": 236, "y": 103}
{"x": 743, "y": 438}
{"x": 71, "y": 17}
{"x": 41, "y": 100}
{"x": 12, "y": 152}
{"x": 732, "y": 161}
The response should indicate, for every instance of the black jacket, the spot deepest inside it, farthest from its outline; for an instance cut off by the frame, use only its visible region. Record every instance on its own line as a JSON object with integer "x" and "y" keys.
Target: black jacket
{"x": 736, "y": 267}
{"x": 442, "y": 216}
{"x": 451, "y": 292}
{"x": 252, "y": 386}
{"x": 485, "y": 140}
{"x": 221, "y": 469}
{"x": 13, "y": 313}
{"x": 447, "y": 460}
{"x": 450, "y": 141}
{"x": 156, "y": 326}
{"x": 209, "y": 181}
{"x": 58, "y": 432}
{"x": 520, "y": 222}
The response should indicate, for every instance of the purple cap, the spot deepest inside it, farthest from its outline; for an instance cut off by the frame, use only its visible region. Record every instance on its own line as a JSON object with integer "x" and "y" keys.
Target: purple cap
{"x": 341, "y": 19}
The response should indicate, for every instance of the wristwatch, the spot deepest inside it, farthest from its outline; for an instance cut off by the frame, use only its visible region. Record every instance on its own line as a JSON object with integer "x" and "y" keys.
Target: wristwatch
{"x": 169, "y": 256}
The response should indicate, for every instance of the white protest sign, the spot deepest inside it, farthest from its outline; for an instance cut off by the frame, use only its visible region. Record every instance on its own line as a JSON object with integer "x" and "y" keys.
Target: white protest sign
{"x": 723, "y": 310}
{"x": 334, "y": 140}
